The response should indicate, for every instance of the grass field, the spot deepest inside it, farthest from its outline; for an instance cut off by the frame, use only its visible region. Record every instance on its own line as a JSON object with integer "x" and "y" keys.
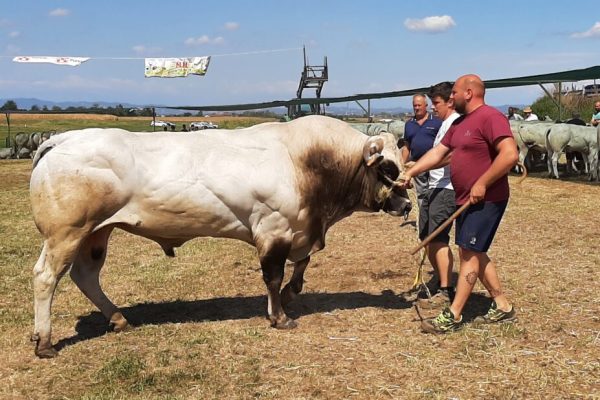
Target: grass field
{"x": 29, "y": 123}
{"x": 199, "y": 327}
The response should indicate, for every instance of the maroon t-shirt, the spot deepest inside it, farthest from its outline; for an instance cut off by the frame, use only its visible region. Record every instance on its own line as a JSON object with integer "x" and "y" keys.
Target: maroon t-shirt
{"x": 471, "y": 139}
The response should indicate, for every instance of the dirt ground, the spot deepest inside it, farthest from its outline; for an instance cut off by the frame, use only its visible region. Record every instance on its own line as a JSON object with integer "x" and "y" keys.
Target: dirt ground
{"x": 199, "y": 328}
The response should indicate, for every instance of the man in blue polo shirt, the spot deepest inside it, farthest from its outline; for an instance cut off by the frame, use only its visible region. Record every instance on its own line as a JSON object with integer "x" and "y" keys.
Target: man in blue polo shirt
{"x": 419, "y": 134}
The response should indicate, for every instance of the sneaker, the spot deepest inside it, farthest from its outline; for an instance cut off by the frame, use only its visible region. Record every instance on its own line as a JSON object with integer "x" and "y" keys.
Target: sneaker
{"x": 443, "y": 323}
{"x": 496, "y": 315}
{"x": 439, "y": 300}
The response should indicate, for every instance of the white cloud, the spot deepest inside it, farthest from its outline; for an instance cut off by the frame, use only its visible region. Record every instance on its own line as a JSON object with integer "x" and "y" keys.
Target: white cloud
{"x": 59, "y": 12}
{"x": 14, "y": 34}
{"x": 594, "y": 31}
{"x": 143, "y": 50}
{"x": 434, "y": 24}
{"x": 232, "y": 26}
{"x": 204, "y": 39}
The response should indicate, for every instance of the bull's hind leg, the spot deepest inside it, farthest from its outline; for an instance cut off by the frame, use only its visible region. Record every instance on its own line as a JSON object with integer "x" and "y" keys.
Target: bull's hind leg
{"x": 273, "y": 254}
{"x": 86, "y": 275}
{"x": 56, "y": 257}
{"x": 294, "y": 286}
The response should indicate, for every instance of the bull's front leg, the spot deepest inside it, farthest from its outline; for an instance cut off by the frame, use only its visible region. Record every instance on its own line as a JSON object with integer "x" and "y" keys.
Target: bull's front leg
{"x": 273, "y": 255}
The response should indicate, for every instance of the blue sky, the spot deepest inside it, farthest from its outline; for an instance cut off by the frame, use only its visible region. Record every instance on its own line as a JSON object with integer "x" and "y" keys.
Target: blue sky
{"x": 374, "y": 46}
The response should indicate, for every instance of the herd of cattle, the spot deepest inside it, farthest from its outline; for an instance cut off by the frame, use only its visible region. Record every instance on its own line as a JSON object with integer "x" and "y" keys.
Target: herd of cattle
{"x": 549, "y": 141}
{"x": 25, "y": 145}
{"x": 537, "y": 141}
{"x": 544, "y": 141}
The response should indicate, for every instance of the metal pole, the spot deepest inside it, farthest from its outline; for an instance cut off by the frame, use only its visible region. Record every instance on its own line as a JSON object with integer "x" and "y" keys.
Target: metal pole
{"x": 559, "y": 102}
{"x": 153, "y": 119}
{"x": 8, "y": 139}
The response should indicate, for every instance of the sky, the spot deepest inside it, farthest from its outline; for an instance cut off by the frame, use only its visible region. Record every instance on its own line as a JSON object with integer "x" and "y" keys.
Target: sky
{"x": 256, "y": 47}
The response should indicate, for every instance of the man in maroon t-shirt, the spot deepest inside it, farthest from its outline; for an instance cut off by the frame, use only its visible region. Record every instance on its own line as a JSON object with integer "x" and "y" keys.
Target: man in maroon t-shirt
{"x": 482, "y": 151}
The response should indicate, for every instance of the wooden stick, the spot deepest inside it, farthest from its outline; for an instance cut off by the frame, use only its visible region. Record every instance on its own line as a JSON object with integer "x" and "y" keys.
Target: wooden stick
{"x": 440, "y": 228}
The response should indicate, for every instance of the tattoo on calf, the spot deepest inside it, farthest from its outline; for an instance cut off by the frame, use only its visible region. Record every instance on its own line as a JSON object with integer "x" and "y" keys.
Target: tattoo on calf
{"x": 471, "y": 278}
{"x": 495, "y": 292}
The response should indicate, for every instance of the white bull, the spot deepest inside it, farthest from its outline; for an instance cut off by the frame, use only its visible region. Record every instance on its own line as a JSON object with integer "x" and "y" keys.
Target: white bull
{"x": 276, "y": 186}
{"x": 566, "y": 137}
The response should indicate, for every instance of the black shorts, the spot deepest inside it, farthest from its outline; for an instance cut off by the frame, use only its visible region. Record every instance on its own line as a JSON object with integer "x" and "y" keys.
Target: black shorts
{"x": 438, "y": 205}
{"x": 476, "y": 227}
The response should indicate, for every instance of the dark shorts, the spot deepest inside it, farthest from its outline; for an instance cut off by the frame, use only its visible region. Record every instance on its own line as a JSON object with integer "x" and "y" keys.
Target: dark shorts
{"x": 438, "y": 205}
{"x": 476, "y": 227}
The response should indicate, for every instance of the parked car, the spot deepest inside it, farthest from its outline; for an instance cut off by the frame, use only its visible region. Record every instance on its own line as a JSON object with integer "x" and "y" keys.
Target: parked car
{"x": 162, "y": 124}
{"x": 195, "y": 126}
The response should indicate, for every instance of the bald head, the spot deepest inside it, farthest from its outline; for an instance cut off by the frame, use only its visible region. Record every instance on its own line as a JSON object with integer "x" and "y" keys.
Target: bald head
{"x": 468, "y": 93}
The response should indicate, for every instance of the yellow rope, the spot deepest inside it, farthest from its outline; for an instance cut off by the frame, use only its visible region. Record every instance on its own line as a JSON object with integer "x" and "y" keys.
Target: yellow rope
{"x": 419, "y": 280}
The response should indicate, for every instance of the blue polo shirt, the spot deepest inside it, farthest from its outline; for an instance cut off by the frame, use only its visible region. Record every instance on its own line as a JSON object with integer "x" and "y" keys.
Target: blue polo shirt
{"x": 420, "y": 137}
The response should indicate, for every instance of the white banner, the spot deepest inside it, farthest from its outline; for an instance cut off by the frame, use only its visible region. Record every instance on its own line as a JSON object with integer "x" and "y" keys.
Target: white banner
{"x": 70, "y": 61}
{"x": 175, "y": 67}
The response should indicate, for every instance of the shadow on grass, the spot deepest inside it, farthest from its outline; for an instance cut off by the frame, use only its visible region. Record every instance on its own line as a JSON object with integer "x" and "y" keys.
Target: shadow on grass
{"x": 95, "y": 325}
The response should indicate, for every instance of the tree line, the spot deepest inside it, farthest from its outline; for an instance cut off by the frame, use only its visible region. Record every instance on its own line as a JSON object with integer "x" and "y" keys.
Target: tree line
{"x": 117, "y": 110}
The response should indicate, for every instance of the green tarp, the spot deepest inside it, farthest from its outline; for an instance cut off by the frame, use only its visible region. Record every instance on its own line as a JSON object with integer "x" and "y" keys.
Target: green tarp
{"x": 564, "y": 76}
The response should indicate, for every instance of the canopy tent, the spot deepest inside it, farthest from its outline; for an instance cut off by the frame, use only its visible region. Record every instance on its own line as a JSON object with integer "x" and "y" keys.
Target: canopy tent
{"x": 556, "y": 77}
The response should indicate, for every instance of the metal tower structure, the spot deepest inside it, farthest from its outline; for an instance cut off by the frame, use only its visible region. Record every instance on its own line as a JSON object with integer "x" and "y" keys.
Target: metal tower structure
{"x": 313, "y": 77}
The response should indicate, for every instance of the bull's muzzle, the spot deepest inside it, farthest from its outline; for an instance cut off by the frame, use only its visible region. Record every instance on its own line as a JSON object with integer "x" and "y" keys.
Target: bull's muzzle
{"x": 397, "y": 206}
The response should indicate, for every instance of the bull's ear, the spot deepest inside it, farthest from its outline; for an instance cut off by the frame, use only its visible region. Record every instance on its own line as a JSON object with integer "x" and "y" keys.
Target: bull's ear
{"x": 372, "y": 151}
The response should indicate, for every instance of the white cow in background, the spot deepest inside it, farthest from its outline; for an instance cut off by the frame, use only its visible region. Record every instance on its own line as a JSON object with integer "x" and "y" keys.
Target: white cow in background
{"x": 565, "y": 137}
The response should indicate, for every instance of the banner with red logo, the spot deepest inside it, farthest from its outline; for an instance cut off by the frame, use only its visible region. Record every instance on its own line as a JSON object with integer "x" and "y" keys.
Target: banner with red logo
{"x": 175, "y": 67}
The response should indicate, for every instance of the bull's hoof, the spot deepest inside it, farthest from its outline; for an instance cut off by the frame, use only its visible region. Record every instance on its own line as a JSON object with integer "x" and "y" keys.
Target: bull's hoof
{"x": 118, "y": 322}
{"x": 287, "y": 324}
{"x": 48, "y": 352}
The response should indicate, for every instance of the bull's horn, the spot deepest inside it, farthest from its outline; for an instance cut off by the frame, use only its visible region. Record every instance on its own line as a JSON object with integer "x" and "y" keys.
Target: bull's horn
{"x": 372, "y": 151}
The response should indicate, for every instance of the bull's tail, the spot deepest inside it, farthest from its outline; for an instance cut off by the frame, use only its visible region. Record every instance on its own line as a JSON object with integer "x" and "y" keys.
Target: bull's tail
{"x": 47, "y": 146}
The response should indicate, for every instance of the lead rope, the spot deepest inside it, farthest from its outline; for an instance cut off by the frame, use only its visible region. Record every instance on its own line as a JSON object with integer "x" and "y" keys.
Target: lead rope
{"x": 419, "y": 281}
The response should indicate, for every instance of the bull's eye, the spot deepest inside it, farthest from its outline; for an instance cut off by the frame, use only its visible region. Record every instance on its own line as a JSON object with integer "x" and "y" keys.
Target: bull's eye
{"x": 389, "y": 169}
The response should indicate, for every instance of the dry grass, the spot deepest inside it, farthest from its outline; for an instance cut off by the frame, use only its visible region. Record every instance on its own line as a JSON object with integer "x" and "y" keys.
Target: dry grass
{"x": 200, "y": 329}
